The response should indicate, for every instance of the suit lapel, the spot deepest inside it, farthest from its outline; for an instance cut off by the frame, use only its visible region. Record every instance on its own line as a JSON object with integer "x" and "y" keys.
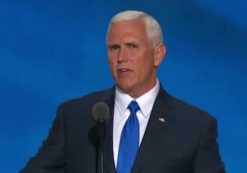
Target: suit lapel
{"x": 161, "y": 119}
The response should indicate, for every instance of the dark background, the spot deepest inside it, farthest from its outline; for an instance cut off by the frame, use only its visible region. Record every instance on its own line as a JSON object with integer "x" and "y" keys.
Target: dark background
{"x": 54, "y": 50}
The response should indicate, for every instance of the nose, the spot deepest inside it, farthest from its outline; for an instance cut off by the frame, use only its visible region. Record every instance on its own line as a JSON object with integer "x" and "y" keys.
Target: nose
{"x": 122, "y": 56}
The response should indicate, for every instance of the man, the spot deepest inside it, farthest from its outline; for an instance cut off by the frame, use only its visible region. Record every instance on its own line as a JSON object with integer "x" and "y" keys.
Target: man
{"x": 148, "y": 131}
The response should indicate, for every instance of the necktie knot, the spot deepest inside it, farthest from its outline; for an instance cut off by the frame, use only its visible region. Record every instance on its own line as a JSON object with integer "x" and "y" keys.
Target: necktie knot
{"x": 133, "y": 106}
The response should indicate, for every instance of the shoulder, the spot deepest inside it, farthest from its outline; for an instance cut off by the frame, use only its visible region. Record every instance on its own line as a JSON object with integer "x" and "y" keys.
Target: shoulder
{"x": 188, "y": 113}
{"x": 180, "y": 107}
{"x": 87, "y": 101}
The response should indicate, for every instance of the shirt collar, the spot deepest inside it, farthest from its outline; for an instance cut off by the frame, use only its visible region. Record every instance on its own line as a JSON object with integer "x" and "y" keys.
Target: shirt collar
{"x": 145, "y": 101}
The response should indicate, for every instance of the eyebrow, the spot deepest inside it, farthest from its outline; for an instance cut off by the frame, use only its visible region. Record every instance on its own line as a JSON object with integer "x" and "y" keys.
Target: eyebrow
{"x": 114, "y": 45}
{"x": 131, "y": 43}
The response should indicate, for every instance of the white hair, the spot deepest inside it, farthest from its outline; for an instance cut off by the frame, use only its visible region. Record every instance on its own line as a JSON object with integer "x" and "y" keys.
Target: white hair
{"x": 152, "y": 27}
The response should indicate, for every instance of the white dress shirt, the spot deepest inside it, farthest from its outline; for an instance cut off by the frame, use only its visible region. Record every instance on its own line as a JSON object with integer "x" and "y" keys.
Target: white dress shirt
{"x": 121, "y": 114}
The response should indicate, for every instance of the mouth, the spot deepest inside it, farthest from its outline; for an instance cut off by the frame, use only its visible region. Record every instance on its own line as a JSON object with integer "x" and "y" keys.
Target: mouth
{"x": 122, "y": 72}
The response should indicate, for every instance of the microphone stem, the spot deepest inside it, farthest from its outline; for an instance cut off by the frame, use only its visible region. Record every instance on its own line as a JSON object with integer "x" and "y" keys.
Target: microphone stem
{"x": 101, "y": 143}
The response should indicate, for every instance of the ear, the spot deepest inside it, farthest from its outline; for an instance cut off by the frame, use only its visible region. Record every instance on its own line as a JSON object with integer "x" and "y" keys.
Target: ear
{"x": 159, "y": 55}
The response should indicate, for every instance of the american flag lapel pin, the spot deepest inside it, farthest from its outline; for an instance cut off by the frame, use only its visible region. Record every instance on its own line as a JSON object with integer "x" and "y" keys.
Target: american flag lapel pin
{"x": 162, "y": 120}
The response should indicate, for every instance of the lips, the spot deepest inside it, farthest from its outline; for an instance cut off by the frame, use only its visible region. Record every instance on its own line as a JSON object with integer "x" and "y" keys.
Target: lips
{"x": 122, "y": 72}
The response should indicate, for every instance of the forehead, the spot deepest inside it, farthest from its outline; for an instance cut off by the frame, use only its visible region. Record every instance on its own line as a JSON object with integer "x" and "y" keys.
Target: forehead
{"x": 130, "y": 28}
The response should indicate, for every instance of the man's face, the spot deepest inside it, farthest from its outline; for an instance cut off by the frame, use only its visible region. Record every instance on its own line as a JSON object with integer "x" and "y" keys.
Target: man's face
{"x": 132, "y": 58}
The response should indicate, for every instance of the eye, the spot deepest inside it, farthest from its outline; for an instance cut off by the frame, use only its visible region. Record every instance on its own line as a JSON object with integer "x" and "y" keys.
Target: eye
{"x": 113, "y": 47}
{"x": 132, "y": 45}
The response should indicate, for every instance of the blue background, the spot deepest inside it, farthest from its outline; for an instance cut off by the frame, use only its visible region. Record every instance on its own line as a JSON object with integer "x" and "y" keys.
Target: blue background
{"x": 52, "y": 51}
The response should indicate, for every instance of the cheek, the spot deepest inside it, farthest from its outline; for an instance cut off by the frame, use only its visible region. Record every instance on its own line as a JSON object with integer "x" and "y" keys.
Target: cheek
{"x": 112, "y": 65}
{"x": 145, "y": 63}
{"x": 110, "y": 60}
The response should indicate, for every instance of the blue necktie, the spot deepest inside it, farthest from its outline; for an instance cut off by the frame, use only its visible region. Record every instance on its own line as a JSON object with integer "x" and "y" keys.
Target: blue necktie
{"x": 129, "y": 142}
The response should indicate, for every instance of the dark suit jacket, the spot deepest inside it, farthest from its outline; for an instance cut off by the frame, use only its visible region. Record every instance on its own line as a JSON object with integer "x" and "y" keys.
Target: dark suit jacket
{"x": 184, "y": 143}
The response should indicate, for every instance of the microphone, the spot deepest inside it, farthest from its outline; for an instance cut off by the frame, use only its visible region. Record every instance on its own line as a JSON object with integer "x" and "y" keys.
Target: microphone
{"x": 100, "y": 113}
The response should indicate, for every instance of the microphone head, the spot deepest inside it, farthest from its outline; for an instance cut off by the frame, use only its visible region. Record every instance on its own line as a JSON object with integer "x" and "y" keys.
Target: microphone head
{"x": 101, "y": 112}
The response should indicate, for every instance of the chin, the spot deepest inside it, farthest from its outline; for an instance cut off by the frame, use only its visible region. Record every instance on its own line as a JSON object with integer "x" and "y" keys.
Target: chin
{"x": 124, "y": 88}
